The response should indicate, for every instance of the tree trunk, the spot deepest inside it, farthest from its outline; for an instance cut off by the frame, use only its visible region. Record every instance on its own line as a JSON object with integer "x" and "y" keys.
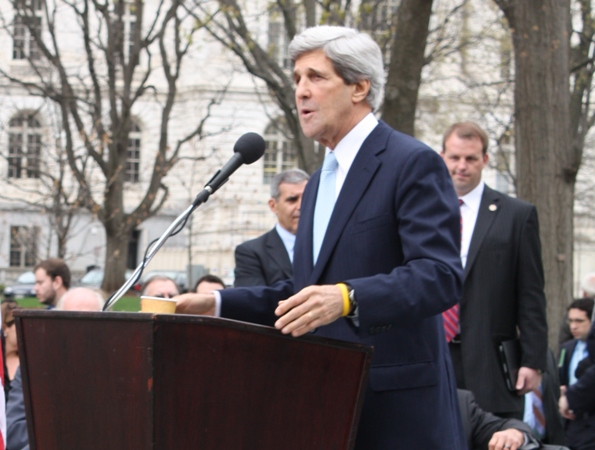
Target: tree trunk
{"x": 544, "y": 158}
{"x": 406, "y": 63}
{"x": 116, "y": 257}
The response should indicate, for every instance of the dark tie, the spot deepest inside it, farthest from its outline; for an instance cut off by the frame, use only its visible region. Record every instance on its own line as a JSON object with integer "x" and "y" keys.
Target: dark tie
{"x": 451, "y": 316}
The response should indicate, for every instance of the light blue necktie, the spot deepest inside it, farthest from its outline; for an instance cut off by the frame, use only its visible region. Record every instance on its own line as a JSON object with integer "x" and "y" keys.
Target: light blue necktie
{"x": 325, "y": 201}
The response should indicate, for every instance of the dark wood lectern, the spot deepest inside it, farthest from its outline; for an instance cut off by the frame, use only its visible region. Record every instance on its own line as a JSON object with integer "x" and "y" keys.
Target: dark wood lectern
{"x": 174, "y": 382}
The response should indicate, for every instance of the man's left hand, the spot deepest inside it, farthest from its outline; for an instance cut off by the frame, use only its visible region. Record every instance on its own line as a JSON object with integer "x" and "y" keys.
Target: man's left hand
{"x": 528, "y": 380}
{"x": 510, "y": 439}
{"x": 309, "y": 309}
{"x": 563, "y": 406}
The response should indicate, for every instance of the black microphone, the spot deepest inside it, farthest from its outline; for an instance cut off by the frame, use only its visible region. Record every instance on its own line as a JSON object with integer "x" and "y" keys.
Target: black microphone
{"x": 247, "y": 149}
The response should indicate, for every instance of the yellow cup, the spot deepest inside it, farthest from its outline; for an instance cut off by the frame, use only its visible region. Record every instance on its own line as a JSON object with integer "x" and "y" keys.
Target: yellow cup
{"x": 157, "y": 305}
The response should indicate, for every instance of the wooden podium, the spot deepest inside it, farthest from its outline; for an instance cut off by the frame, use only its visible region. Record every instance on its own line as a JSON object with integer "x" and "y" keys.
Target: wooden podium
{"x": 128, "y": 381}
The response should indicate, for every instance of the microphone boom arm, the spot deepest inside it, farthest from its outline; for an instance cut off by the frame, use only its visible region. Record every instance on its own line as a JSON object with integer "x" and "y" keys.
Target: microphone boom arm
{"x": 128, "y": 284}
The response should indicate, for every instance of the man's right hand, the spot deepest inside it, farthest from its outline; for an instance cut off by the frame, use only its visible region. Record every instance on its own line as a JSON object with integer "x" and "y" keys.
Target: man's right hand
{"x": 191, "y": 303}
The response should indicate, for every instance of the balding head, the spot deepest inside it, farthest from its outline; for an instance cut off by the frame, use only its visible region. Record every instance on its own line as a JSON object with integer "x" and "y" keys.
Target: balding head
{"x": 81, "y": 299}
{"x": 589, "y": 285}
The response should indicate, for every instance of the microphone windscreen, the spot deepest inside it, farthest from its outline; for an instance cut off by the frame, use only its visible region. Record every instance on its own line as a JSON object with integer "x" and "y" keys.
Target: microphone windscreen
{"x": 250, "y": 146}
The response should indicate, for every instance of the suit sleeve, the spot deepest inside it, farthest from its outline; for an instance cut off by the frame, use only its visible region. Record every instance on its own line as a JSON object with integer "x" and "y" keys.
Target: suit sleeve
{"x": 531, "y": 298}
{"x": 581, "y": 395}
{"x": 16, "y": 422}
{"x": 484, "y": 424}
{"x": 248, "y": 271}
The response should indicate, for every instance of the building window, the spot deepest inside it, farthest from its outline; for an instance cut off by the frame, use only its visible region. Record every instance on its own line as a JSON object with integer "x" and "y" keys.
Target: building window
{"x": 129, "y": 23}
{"x": 27, "y": 20}
{"x": 280, "y": 153}
{"x": 133, "y": 155}
{"x": 278, "y": 40}
{"x": 124, "y": 17}
{"x": 378, "y": 18}
{"x": 24, "y": 147}
{"x": 23, "y": 246}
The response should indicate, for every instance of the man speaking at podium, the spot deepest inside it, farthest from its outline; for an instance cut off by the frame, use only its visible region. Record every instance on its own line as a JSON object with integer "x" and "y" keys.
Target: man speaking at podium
{"x": 377, "y": 251}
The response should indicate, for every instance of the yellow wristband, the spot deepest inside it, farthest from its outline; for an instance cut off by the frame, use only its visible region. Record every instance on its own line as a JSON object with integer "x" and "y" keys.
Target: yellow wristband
{"x": 345, "y": 294}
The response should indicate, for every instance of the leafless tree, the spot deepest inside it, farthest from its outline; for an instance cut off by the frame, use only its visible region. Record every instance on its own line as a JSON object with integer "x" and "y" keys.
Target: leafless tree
{"x": 130, "y": 57}
{"x": 553, "y": 115}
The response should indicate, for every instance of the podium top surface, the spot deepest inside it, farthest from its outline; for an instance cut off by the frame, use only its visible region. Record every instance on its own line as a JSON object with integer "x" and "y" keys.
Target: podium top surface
{"x": 184, "y": 318}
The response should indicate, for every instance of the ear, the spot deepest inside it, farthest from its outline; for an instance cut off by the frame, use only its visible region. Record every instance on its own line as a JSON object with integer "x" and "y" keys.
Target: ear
{"x": 273, "y": 205}
{"x": 360, "y": 91}
{"x": 486, "y": 158}
{"x": 57, "y": 282}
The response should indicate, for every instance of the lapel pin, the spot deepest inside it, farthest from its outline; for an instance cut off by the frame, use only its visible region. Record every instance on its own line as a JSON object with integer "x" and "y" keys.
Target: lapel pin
{"x": 492, "y": 207}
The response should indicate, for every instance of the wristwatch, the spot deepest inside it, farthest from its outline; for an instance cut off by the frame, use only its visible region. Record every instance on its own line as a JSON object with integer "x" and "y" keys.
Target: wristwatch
{"x": 352, "y": 301}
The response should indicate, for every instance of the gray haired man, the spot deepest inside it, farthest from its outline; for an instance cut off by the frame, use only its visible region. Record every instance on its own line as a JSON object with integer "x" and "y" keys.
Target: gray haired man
{"x": 267, "y": 259}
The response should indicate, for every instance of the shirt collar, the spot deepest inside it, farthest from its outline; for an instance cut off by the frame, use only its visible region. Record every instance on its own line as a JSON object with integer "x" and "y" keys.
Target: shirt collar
{"x": 287, "y": 237}
{"x": 473, "y": 198}
{"x": 346, "y": 150}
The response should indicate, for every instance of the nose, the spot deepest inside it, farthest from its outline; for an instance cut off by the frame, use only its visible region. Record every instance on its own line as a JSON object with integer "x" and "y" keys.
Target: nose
{"x": 302, "y": 89}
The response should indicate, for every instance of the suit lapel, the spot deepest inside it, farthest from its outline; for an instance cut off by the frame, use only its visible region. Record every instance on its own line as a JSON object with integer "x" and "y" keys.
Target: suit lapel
{"x": 358, "y": 178}
{"x": 277, "y": 252}
{"x": 488, "y": 210}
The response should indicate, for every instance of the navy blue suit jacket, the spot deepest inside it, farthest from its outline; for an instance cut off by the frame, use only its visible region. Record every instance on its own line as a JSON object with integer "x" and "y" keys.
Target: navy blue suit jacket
{"x": 394, "y": 237}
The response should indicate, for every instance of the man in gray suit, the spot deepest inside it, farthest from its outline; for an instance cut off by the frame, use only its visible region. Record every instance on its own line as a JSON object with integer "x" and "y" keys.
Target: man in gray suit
{"x": 267, "y": 259}
{"x": 503, "y": 281}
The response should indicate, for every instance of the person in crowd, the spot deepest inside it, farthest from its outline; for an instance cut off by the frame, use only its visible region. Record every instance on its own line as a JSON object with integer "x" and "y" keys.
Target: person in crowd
{"x": 78, "y": 299}
{"x": 160, "y": 286}
{"x": 208, "y": 283}
{"x": 52, "y": 280}
{"x": 376, "y": 257}
{"x": 484, "y": 430}
{"x": 267, "y": 259}
{"x": 81, "y": 299}
{"x": 10, "y": 349}
{"x": 588, "y": 291}
{"x": 499, "y": 300}
{"x": 541, "y": 406}
{"x": 574, "y": 351}
{"x": 588, "y": 285}
{"x": 577, "y": 403}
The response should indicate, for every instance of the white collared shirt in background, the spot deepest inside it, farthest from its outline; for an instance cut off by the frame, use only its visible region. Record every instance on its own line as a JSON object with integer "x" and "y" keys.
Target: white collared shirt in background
{"x": 287, "y": 238}
{"x": 469, "y": 211}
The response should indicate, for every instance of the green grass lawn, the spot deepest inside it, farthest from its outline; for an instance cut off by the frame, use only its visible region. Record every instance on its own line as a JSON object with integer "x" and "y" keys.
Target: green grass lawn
{"x": 126, "y": 303}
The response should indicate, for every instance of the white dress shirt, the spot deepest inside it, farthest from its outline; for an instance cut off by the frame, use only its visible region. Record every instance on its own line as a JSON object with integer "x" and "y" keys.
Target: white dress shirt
{"x": 469, "y": 211}
{"x": 287, "y": 238}
{"x": 348, "y": 147}
{"x": 580, "y": 353}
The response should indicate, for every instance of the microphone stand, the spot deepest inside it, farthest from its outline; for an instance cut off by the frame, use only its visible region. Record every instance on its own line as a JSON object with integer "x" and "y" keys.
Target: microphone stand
{"x": 202, "y": 197}
{"x": 248, "y": 148}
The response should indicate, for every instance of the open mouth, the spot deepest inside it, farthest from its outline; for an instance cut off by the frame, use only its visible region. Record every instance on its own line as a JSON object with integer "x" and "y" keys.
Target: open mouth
{"x": 306, "y": 112}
